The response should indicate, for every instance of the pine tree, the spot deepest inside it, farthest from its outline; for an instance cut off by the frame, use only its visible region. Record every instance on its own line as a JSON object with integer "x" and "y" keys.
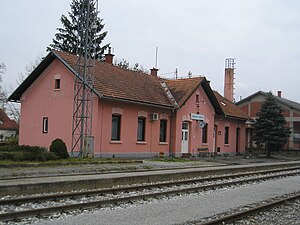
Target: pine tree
{"x": 67, "y": 37}
{"x": 270, "y": 130}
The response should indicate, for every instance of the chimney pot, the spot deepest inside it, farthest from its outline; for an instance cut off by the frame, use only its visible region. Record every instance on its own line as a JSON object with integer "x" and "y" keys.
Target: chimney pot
{"x": 154, "y": 71}
{"x": 279, "y": 94}
{"x": 109, "y": 56}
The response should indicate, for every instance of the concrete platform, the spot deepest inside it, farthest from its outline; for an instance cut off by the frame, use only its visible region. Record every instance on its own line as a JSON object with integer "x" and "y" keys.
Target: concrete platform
{"x": 77, "y": 182}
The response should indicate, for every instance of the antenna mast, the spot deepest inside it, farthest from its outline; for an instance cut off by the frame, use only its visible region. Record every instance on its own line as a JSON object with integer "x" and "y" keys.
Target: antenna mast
{"x": 156, "y": 57}
{"x": 84, "y": 81}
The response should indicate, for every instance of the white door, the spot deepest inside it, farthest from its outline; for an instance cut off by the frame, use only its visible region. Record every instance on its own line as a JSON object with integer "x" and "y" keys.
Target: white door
{"x": 185, "y": 138}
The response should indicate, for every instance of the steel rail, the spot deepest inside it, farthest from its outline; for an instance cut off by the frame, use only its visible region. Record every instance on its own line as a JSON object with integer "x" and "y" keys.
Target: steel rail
{"x": 51, "y": 197}
{"x": 102, "y": 203}
{"x": 240, "y": 215}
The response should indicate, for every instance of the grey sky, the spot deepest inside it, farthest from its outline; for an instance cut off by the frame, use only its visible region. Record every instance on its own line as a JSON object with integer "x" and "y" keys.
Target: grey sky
{"x": 192, "y": 35}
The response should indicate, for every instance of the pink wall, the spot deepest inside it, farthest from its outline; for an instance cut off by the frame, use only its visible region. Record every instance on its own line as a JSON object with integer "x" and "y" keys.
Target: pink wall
{"x": 195, "y": 133}
{"x": 42, "y": 100}
{"x": 233, "y": 125}
{"x": 129, "y": 121}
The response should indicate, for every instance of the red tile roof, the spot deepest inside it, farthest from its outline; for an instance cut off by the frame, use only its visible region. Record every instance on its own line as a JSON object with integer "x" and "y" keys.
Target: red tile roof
{"x": 229, "y": 108}
{"x": 182, "y": 89}
{"x": 114, "y": 82}
{"x": 6, "y": 123}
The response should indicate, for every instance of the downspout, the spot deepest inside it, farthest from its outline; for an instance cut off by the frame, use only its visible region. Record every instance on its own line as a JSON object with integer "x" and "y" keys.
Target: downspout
{"x": 101, "y": 136}
{"x": 171, "y": 133}
{"x": 175, "y": 107}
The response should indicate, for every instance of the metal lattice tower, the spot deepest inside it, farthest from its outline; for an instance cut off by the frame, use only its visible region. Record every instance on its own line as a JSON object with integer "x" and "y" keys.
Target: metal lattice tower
{"x": 84, "y": 81}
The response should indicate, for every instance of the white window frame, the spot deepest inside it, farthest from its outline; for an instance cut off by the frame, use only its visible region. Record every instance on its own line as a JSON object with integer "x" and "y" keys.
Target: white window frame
{"x": 45, "y": 125}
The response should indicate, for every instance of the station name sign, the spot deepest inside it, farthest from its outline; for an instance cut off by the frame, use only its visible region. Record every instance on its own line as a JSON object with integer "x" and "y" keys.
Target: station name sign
{"x": 197, "y": 116}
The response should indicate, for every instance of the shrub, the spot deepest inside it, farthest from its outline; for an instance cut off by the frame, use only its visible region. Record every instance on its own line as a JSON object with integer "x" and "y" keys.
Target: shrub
{"x": 25, "y": 153}
{"x": 59, "y": 148}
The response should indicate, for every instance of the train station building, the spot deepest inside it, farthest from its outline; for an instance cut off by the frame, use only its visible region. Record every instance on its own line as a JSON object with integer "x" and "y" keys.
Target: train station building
{"x": 134, "y": 114}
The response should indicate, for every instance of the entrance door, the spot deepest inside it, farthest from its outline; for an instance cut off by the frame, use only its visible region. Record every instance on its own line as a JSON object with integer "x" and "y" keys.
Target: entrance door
{"x": 185, "y": 138}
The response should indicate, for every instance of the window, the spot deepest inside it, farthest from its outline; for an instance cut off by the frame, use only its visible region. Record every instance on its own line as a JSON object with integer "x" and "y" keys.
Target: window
{"x": 204, "y": 133}
{"x": 116, "y": 127}
{"x": 57, "y": 84}
{"x": 163, "y": 131}
{"x": 197, "y": 98}
{"x": 226, "y": 136}
{"x": 45, "y": 125}
{"x": 141, "y": 129}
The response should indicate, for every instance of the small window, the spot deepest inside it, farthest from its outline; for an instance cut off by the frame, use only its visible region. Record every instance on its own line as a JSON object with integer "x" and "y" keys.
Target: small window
{"x": 185, "y": 126}
{"x": 116, "y": 128}
{"x": 141, "y": 129}
{"x": 204, "y": 133}
{"x": 57, "y": 84}
{"x": 226, "y": 136}
{"x": 45, "y": 125}
{"x": 197, "y": 98}
{"x": 163, "y": 131}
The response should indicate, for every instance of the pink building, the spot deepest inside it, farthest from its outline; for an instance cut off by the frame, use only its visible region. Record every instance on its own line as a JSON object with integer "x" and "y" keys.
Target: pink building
{"x": 134, "y": 114}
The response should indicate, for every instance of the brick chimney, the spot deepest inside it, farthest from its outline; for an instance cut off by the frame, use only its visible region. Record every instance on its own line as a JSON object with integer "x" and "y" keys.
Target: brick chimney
{"x": 229, "y": 79}
{"x": 109, "y": 56}
{"x": 154, "y": 71}
{"x": 279, "y": 94}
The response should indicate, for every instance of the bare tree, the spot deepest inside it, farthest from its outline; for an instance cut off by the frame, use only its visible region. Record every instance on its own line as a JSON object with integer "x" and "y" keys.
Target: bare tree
{"x": 29, "y": 68}
{"x": 2, "y": 92}
{"x": 2, "y": 70}
{"x": 126, "y": 65}
{"x": 12, "y": 108}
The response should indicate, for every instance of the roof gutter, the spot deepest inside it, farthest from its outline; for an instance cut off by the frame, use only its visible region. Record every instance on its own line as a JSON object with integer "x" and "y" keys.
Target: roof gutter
{"x": 236, "y": 118}
{"x": 136, "y": 102}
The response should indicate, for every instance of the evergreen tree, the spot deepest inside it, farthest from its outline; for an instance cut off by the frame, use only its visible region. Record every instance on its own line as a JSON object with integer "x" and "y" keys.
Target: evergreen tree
{"x": 270, "y": 130}
{"x": 67, "y": 37}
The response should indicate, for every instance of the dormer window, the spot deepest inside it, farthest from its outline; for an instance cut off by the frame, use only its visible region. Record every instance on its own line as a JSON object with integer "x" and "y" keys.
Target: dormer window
{"x": 57, "y": 84}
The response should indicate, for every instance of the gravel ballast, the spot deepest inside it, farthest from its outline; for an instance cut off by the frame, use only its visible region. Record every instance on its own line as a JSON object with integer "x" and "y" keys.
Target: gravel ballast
{"x": 182, "y": 209}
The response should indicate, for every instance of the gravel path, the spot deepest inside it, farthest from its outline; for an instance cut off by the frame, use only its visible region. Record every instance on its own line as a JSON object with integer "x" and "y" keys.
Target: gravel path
{"x": 288, "y": 213}
{"x": 182, "y": 209}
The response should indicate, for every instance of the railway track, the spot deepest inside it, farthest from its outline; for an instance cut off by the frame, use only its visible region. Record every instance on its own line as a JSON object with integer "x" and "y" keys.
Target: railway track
{"x": 255, "y": 210}
{"x": 43, "y": 205}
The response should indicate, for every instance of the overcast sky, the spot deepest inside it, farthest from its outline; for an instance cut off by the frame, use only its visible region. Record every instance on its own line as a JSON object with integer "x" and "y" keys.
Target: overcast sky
{"x": 192, "y": 35}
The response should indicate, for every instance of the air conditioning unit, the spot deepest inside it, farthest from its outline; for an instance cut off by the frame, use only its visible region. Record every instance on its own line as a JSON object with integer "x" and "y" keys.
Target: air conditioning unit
{"x": 153, "y": 116}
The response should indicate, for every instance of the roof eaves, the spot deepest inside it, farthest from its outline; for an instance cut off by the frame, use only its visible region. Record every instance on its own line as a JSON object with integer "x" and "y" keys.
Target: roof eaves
{"x": 250, "y": 97}
{"x": 137, "y": 102}
{"x": 236, "y": 117}
{"x": 16, "y": 95}
{"x": 191, "y": 93}
{"x": 169, "y": 94}
{"x": 74, "y": 72}
{"x": 212, "y": 98}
